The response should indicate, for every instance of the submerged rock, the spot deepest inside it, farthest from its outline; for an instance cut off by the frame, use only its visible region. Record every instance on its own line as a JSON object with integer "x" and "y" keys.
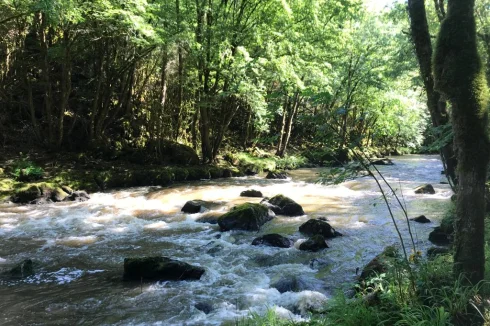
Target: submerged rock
{"x": 425, "y": 189}
{"x": 318, "y": 227}
{"x": 197, "y": 206}
{"x": 421, "y": 219}
{"x": 24, "y": 269}
{"x": 251, "y": 193}
{"x": 382, "y": 161}
{"x": 204, "y": 307}
{"x": 283, "y": 205}
{"x": 159, "y": 269}
{"x": 277, "y": 175}
{"x": 248, "y": 217}
{"x": 439, "y": 237}
{"x": 78, "y": 196}
{"x": 273, "y": 240}
{"x": 290, "y": 284}
{"x": 211, "y": 218}
{"x": 315, "y": 243}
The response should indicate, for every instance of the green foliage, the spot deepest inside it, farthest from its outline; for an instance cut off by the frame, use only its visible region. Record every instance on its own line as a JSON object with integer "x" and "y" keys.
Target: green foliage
{"x": 266, "y": 162}
{"x": 26, "y": 170}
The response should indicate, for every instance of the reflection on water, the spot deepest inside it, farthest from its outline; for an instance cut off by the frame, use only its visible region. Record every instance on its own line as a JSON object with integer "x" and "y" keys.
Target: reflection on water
{"x": 80, "y": 247}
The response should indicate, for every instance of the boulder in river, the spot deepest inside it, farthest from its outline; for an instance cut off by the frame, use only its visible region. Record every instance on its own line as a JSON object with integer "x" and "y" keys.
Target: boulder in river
{"x": 439, "y": 237}
{"x": 247, "y": 217}
{"x": 58, "y": 194}
{"x": 379, "y": 264}
{"x": 315, "y": 243}
{"x": 421, "y": 219}
{"x": 205, "y": 307}
{"x": 27, "y": 195}
{"x": 318, "y": 226}
{"x": 78, "y": 196}
{"x": 290, "y": 284}
{"x": 209, "y": 217}
{"x": 382, "y": 161}
{"x": 425, "y": 189}
{"x": 251, "y": 193}
{"x": 197, "y": 206}
{"x": 283, "y": 205}
{"x": 23, "y": 269}
{"x": 159, "y": 269}
{"x": 273, "y": 240}
{"x": 277, "y": 175}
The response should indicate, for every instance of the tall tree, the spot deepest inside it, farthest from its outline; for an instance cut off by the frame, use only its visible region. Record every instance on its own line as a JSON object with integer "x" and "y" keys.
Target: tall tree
{"x": 459, "y": 75}
{"x": 419, "y": 30}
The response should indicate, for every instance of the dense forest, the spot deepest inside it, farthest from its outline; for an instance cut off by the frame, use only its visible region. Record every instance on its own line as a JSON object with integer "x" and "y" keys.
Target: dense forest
{"x": 152, "y": 92}
{"x": 118, "y": 76}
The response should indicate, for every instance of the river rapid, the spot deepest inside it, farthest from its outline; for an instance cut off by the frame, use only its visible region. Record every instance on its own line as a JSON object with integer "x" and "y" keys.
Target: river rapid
{"x": 79, "y": 248}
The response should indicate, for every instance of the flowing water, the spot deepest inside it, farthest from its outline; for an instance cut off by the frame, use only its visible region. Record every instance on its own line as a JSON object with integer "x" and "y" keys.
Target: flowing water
{"x": 79, "y": 249}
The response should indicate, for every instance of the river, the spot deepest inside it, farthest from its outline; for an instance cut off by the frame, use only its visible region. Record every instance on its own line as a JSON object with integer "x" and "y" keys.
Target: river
{"x": 79, "y": 249}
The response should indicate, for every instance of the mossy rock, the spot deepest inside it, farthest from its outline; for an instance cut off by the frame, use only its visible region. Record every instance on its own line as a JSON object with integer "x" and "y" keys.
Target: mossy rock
{"x": 197, "y": 173}
{"x": 160, "y": 269}
{"x": 27, "y": 194}
{"x": 58, "y": 195}
{"x": 248, "y": 217}
{"x": 175, "y": 153}
{"x": 378, "y": 265}
{"x": 180, "y": 174}
{"x": 215, "y": 172}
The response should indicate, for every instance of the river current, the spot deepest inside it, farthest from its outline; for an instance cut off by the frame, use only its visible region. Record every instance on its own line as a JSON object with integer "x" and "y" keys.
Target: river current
{"x": 79, "y": 248}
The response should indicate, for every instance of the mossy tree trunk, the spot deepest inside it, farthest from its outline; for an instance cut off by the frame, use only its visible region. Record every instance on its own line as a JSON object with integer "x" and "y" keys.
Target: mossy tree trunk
{"x": 459, "y": 75}
{"x": 419, "y": 30}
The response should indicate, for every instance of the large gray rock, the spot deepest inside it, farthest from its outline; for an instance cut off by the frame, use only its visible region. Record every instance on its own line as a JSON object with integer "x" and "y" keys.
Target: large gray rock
{"x": 248, "y": 217}
{"x": 159, "y": 269}
{"x": 283, "y": 205}
{"x": 318, "y": 227}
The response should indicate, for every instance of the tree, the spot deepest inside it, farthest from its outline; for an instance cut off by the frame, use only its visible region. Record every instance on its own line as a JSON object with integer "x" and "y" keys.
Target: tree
{"x": 419, "y": 30}
{"x": 460, "y": 76}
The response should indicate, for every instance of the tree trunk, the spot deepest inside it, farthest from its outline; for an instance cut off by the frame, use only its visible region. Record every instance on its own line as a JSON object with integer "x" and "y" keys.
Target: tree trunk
{"x": 459, "y": 74}
{"x": 283, "y": 125}
{"x": 289, "y": 125}
{"x": 436, "y": 105}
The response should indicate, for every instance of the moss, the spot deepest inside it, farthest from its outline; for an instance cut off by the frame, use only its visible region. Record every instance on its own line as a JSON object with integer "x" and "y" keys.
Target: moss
{"x": 198, "y": 173}
{"x": 180, "y": 174}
